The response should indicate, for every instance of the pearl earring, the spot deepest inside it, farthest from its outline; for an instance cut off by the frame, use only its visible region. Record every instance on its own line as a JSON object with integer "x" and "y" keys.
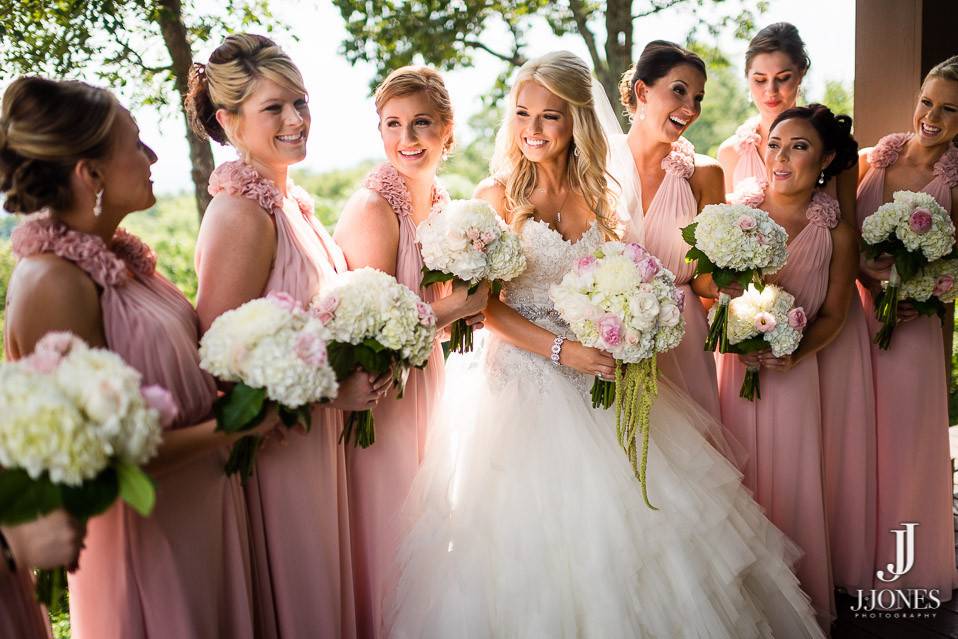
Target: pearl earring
{"x": 821, "y": 179}
{"x": 98, "y": 206}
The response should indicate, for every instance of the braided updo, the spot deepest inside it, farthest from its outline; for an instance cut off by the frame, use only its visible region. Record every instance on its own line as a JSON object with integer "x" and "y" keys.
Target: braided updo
{"x": 835, "y": 132}
{"x": 46, "y": 127}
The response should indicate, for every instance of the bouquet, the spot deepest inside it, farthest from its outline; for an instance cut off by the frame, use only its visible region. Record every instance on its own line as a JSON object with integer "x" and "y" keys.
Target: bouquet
{"x": 759, "y": 320}
{"x": 622, "y": 300}
{"x": 76, "y": 427}
{"x": 375, "y": 323}
{"x": 735, "y": 243}
{"x": 915, "y": 230}
{"x": 275, "y": 352}
{"x": 469, "y": 243}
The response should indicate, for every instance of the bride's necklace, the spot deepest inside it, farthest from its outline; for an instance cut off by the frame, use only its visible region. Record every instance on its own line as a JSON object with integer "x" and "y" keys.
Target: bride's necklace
{"x": 561, "y": 206}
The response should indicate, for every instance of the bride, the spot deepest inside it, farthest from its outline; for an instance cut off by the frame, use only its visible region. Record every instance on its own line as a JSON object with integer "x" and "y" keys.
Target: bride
{"x": 525, "y": 519}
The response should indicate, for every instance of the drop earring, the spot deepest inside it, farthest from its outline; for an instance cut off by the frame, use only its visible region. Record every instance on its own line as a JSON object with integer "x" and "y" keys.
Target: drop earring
{"x": 642, "y": 112}
{"x": 821, "y": 179}
{"x": 98, "y": 205}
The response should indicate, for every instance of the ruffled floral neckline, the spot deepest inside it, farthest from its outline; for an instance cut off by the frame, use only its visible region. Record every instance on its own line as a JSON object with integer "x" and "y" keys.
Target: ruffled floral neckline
{"x": 823, "y": 210}
{"x": 387, "y": 181}
{"x": 889, "y": 148}
{"x": 239, "y": 178}
{"x": 680, "y": 161}
{"x": 747, "y": 136}
{"x": 108, "y": 265}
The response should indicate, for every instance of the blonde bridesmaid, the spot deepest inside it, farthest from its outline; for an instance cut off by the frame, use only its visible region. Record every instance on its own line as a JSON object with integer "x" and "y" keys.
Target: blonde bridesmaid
{"x": 914, "y": 471}
{"x": 259, "y": 235}
{"x": 782, "y": 430}
{"x": 74, "y": 153}
{"x": 378, "y": 229}
{"x": 664, "y": 93}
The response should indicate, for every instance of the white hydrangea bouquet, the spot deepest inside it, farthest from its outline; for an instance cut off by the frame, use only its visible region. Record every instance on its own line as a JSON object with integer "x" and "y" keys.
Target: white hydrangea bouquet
{"x": 76, "y": 425}
{"x": 377, "y": 324}
{"x": 932, "y": 287}
{"x": 276, "y": 353}
{"x": 915, "y": 230}
{"x": 759, "y": 320}
{"x": 621, "y": 299}
{"x": 466, "y": 241}
{"x": 734, "y": 243}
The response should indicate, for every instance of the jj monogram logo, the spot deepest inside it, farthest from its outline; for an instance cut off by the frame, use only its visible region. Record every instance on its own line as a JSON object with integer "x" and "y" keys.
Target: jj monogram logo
{"x": 904, "y": 553}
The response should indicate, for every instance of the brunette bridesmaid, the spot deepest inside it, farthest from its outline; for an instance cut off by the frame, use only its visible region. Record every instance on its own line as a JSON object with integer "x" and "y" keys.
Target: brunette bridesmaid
{"x": 74, "y": 154}
{"x": 378, "y": 229}
{"x": 914, "y": 471}
{"x": 782, "y": 430}
{"x": 259, "y": 235}
{"x": 664, "y": 93}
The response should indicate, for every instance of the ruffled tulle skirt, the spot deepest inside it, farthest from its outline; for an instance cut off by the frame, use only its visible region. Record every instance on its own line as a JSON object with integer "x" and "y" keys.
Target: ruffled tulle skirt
{"x": 526, "y": 520}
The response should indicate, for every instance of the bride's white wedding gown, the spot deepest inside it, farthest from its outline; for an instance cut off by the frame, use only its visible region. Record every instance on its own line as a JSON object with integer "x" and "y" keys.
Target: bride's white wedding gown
{"x": 525, "y": 519}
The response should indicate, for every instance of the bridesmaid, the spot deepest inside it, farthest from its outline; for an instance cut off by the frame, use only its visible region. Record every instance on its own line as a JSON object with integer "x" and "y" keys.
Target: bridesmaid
{"x": 663, "y": 93}
{"x": 259, "y": 235}
{"x": 74, "y": 153}
{"x": 48, "y": 542}
{"x": 914, "y": 472}
{"x": 378, "y": 229}
{"x": 775, "y": 64}
{"x": 782, "y": 429}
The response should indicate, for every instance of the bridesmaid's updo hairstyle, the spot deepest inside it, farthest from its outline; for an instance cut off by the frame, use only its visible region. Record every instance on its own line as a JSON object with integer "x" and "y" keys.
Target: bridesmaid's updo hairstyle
{"x": 46, "y": 127}
{"x": 945, "y": 70}
{"x": 230, "y": 77}
{"x": 835, "y": 132}
{"x": 657, "y": 59}
{"x": 418, "y": 79}
{"x": 780, "y": 36}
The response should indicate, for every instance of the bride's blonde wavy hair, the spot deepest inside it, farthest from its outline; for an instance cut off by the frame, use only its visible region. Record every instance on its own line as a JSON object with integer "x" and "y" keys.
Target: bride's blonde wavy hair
{"x": 568, "y": 77}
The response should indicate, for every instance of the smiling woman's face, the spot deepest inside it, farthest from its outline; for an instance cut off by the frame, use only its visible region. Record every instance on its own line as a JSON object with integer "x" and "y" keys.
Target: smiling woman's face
{"x": 414, "y": 135}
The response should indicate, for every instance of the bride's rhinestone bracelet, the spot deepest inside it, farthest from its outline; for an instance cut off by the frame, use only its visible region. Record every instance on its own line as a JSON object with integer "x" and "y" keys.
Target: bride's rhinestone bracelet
{"x": 557, "y": 349}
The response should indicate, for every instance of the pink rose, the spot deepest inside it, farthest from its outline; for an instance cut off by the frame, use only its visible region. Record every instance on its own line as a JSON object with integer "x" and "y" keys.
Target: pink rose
{"x": 764, "y": 322}
{"x": 326, "y": 308}
{"x": 943, "y": 284}
{"x": 746, "y": 222}
{"x": 920, "y": 220}
{"x": 160, "y": 400}
{"x": 472, "y": 234}
{"x": 426, "y": 315}
{"x": 59, "y": 342}
{"x": 797, "y": 318}
{"x": 610, "y": 330}
{"x": 285, "y": 301}
{"x": 678, "y": 296}
{"x": 479, "y": 246}
{"x": 310, "y": 348}
{"x": 761, "y": 239}
{"x": 585, "y": 264}
{"x": 636, "y": 252}
{"x": 487, "y": 237}
{"x": 648, "y": 267}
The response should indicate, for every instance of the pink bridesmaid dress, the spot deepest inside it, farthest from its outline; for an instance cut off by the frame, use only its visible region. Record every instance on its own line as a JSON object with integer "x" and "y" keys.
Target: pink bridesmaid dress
{"x": 745, "y": 141}
{"x": 20, "y": 615}
{"x": 673, "y": 207}
{"x": 184, "y": 571}
{"x": 380, "y": 476}
{"x": 782, "y": 430}
{"x": 297, "y": 500}
{"x": 911, "y": 392}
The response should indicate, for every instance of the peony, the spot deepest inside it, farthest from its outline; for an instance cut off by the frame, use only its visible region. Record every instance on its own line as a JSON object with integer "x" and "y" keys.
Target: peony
{"x": 161, "y": 400}
{"x": 648, "y": 267}
{"x": 610, "y": 330}
{"x": 943, "y": 284}
{"x": 920, "y": 220}
{"x": 797, "y": 319}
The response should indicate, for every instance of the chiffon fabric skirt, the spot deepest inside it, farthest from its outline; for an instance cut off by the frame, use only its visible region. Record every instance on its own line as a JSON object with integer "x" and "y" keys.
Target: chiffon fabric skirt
{"x": 526, "y": 520}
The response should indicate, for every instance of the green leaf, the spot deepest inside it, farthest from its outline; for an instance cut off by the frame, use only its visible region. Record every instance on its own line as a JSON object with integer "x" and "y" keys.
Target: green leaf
{"x": 240, "y": 409}
{"x": 342, "y": 357}
{"x": 372, "y": 361}
{"x": 373, "y": 344}
{"x": 136, "y": 488}
{"x": 434, "y": 277}
{"x": 688, "y": 234}
{"x": 751, "y": 345}
{"x": 23, "y": 499}
{"x": 93, "y": 496}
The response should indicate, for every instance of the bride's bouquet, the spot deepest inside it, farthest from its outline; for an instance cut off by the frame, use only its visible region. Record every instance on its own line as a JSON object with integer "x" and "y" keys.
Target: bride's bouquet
{"x": 76, "y": 427}
{"x": 466, "y": 241}
{"x": 917, "y": 232}
{"x": 760, "y": 320}
{"x": 735, "y": 243}
{"x": 622, "y": 300}
{"x": 377, "y": 324}
{"x": 276, "y": 353}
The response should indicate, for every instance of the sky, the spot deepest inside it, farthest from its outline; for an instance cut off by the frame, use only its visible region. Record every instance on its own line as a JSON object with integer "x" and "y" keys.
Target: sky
{"x": 344, "y": 117}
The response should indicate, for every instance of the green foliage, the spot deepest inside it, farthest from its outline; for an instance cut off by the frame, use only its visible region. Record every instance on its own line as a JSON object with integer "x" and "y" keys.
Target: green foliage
{"x": 838, "y": 97}
{"x": 331, "y": 189}
{"x": 170, "y": 228}
{"x": 725, "y": 106}
{"x": 6, "y": 269}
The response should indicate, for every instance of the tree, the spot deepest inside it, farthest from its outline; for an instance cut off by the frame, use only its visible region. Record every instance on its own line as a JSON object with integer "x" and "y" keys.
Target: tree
{"x": 838, "y": 97}
{"x": 392, "y": 33}
{"x": 143, "y": 45}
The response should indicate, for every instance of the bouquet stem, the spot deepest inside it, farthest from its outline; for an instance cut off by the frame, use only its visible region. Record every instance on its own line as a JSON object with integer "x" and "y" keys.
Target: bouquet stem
{"x": 243, "y": 457}
{"x": 603, "y": 393}
{"x": 51, "y": 589}
{"x": 751, "y": 387}
{"x": 886, "y": 310}
{"x": 460, "y": 336}
{"x": 718, "y": 329}
{"x": 636, "y": 388}
{"x": 363, "y": 425}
